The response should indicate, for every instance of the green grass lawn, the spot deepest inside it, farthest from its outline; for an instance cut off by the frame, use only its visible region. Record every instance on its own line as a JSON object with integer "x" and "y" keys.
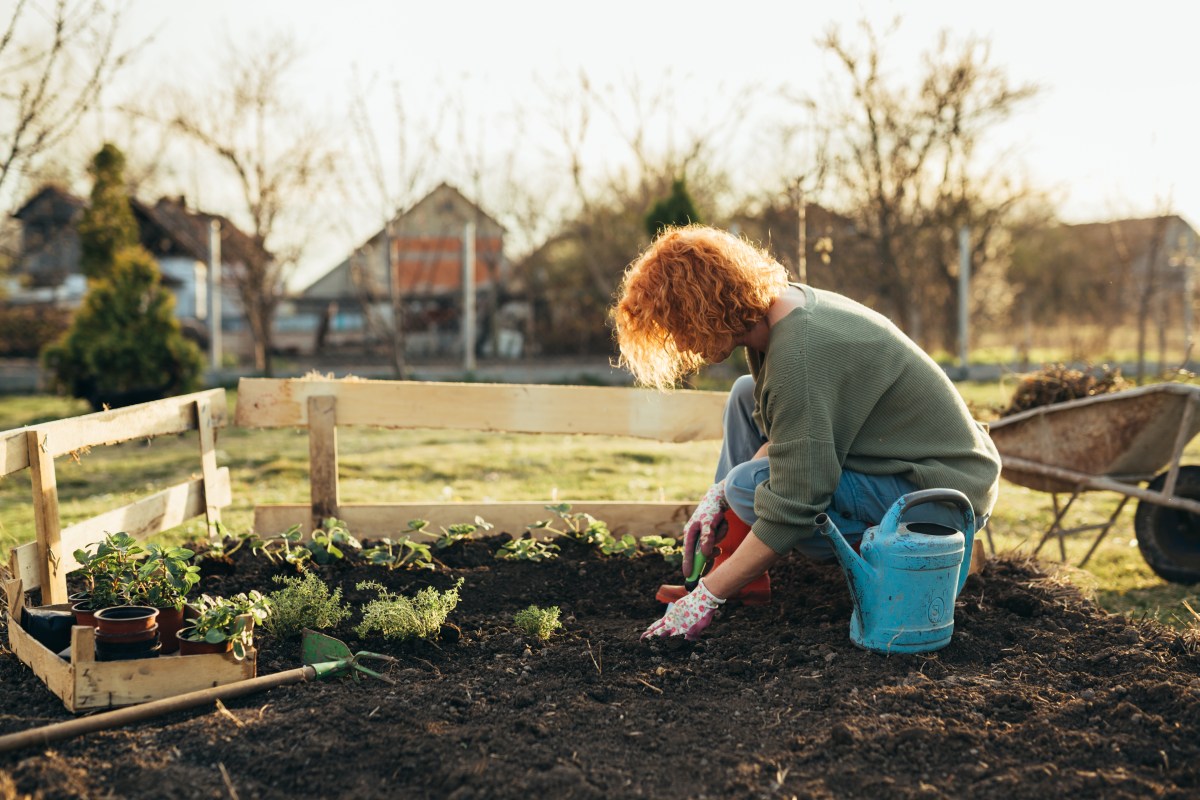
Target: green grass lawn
{"x": 271, "y": 466}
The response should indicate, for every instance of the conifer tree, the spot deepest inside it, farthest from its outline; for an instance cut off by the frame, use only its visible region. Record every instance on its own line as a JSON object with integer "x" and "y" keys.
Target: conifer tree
{"x": 676, "y": 209}
{"x": 107, "y": 225}
{"x": 124, "y": 345}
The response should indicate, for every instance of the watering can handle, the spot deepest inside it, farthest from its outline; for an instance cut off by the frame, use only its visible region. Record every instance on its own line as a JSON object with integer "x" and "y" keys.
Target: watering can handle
{"x": 952, "y": 496}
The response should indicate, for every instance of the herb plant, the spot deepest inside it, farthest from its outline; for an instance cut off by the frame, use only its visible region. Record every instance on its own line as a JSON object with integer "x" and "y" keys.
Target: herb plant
{"x": 304, "y": 602}
{"x": 395, "y": 616}
{"x": 539, "y": 623}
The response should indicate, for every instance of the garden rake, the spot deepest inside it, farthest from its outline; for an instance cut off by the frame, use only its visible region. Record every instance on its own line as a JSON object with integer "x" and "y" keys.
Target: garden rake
{"x": 324, "y": 657}
{"x": 330, "y": 656}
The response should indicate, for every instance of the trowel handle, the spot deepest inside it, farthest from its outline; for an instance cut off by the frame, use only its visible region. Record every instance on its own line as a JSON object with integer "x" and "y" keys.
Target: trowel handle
{"x": 952, "y": 496}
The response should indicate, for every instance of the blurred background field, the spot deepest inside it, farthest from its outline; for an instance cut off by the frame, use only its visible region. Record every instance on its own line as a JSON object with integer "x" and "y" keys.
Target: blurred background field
{"x": 271, "y": 466}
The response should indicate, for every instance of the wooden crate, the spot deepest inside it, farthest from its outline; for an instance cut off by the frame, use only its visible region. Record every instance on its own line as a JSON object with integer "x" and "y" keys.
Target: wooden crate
{"x": 84, "y": 683}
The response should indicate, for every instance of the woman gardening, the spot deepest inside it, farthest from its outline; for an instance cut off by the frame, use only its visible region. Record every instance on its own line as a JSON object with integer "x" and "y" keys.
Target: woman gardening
{"x": 841, "y": 412}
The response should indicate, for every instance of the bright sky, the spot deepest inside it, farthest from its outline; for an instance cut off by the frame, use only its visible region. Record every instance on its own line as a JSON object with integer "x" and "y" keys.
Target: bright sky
{"x": 1114, "y": 131}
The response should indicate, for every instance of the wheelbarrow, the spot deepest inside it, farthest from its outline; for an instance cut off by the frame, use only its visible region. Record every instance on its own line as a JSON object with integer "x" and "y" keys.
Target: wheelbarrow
{"x": 1129, "y": 442}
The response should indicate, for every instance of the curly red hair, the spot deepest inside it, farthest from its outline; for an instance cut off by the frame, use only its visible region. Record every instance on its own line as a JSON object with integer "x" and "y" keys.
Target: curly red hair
{"x": 691, "y": 290}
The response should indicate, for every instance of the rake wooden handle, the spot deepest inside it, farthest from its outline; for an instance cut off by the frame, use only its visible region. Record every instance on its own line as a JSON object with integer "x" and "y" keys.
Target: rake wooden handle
{"x": 123, "y": 716}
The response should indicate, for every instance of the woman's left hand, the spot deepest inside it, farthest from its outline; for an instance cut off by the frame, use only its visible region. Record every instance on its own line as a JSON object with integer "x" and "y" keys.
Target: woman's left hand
{"x": 688, "y": 615}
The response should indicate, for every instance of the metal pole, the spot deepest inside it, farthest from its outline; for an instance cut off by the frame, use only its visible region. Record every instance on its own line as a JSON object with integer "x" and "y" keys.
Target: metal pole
{"x": 964, "y": 296}
{"x": 214, "y": 294}
{"x": 393, "y": 286}
{"x": 468, "y": 278}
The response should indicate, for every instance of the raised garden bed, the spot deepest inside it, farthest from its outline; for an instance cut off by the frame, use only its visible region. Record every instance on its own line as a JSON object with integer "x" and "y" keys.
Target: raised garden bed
{"x": 1039, "y": 693}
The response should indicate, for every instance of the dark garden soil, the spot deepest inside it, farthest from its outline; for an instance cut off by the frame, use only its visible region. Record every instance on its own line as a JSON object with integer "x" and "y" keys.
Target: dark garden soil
{"x": 1039, "y": 694}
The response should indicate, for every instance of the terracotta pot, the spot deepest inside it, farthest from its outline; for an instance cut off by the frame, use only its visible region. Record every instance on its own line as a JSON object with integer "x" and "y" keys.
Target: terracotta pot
{"x": 170, "y": 620}
{"x": 126, "y": 619}
{"x": 189, "y": 648}
{"x": 84, "y": 615}
{"x": 126, "y": 638}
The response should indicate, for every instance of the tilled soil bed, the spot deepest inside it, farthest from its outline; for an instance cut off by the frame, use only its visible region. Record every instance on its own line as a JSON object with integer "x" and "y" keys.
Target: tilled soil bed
{"x": 1039, "y": 694}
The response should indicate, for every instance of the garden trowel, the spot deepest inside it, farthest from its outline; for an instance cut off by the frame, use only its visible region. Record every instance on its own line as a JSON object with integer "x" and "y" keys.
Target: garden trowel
{"x": 330, "y": 656}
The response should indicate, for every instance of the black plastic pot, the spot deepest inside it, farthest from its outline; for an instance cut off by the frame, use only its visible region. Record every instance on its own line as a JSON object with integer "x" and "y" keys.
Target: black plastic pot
{"x": 50, "y": 627}
{"x": 127, "y": 649}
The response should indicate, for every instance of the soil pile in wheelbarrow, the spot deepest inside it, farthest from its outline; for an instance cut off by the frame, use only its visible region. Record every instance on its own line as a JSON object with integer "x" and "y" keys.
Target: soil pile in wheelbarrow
{"x": 1056, "y": 383}
{"x": 1040, "y": 693}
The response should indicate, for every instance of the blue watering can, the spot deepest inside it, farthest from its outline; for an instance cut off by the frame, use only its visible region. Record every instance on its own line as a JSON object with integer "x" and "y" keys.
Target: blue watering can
{"x": 908, "y": 576}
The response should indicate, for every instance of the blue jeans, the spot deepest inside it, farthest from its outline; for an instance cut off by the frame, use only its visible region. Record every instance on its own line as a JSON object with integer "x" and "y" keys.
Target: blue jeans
{"x": 859, "y": 501}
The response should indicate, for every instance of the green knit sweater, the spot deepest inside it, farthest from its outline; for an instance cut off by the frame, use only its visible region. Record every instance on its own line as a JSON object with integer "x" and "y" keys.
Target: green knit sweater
{"x": 841, "y": 387}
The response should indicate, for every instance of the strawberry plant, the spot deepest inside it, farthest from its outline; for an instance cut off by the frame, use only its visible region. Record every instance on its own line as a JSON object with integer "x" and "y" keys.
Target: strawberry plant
{"x": 460, "y": 532}
{"x": 405, "y": 553}
{"x": 527, "y": 550}
{"x": 395, "y": 616}
{"x": 328, "y": 541}
{"x": 626, "y": 546}
{"x": 665, "y": 546}
{"x": 579, "y": 526}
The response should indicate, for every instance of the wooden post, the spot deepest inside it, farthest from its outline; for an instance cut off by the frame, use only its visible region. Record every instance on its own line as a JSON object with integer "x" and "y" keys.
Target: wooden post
{"x": 208, "y": 465}
{"x": 322, "y": 457}
{"x": 45, "y": 514}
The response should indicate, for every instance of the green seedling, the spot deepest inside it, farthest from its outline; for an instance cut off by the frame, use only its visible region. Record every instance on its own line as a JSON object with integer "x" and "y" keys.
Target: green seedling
{"x": 665, "y": 546}
{"x": 222, "y": 619}
{"x": 226, "y": 544}
{"x": 539, "y": 623}
{"x": 527, "y": 550}
{"x": 329, "y": 540}
{"x": 304, "y": 602}
{"x": 460, "y": 532}
{"x": 395, "y": 616}
{"x": 405, "y": 553}
{"x": 626, "y": 546}
{"x": 580, "y": 526}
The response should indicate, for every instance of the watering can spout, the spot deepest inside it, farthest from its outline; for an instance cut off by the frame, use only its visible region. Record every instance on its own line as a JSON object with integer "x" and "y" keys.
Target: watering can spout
{"x": 858, "y": 572}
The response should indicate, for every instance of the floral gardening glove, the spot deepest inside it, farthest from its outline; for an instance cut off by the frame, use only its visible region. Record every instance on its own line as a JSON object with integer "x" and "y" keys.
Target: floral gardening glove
{"x": 688, "y": 615}
{"x": 706, "y": 527}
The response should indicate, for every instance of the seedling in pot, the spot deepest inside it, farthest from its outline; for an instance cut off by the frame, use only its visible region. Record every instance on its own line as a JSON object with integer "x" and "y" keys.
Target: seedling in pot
{"x": 395, "y": 616}
{"x": 527, "y": 550}
{"x": 227, "y": 619}
{"x": 538, "y": 623}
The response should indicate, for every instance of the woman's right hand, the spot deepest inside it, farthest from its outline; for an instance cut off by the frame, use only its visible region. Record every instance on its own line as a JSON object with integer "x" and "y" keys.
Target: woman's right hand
{"x": 706, "y": 527}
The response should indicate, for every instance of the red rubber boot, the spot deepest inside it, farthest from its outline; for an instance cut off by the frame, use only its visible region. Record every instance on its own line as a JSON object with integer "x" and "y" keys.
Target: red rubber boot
{"x": 755, "y": 593}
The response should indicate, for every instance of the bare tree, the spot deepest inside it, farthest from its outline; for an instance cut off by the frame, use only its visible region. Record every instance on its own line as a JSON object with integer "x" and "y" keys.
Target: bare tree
{"x": 279, "y": 162}
{"x": 906, "y": 161}
{"x": 603, "y": 201}
{"x": 56, "y": 59}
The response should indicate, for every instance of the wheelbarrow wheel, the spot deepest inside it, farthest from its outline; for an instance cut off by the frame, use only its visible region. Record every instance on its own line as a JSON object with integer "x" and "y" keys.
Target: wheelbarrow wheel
{"x": 1169, "y": 538}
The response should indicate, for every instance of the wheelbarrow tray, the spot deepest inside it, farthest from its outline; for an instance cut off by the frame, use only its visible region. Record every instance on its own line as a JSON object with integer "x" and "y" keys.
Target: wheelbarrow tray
{"x": 1123, "y": 437}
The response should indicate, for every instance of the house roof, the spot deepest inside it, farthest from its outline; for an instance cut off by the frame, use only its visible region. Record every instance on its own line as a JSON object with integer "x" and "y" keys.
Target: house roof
{"x": 169, "y": 228}
{"x": 48, "y": 199}
{"x": 427, "y": 241}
